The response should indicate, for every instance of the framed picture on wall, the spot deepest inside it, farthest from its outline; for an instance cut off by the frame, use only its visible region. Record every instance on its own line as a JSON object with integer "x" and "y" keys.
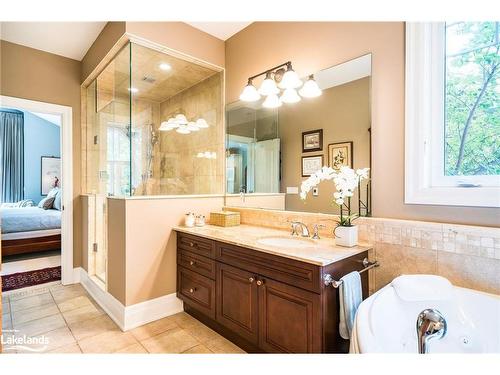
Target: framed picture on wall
{"x": 311, "y": 164}
{"x": 312, "y": 140}
{"x": 340, "y": 154}
{"x": 51, "y": 173}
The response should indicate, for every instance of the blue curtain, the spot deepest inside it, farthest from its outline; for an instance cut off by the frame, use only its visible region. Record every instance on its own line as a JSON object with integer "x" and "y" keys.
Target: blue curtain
{"x": 11, "y": 156}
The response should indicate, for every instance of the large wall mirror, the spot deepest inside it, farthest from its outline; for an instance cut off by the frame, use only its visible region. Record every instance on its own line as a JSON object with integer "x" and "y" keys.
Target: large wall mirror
{"x": 269, "y": 152}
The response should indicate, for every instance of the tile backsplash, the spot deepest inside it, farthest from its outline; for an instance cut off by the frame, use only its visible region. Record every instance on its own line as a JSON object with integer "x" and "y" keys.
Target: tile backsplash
{"x": 469, "y": 256}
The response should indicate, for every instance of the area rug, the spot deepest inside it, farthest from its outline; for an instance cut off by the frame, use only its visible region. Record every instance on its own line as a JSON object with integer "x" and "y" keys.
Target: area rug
{"x": 30, "y": 278}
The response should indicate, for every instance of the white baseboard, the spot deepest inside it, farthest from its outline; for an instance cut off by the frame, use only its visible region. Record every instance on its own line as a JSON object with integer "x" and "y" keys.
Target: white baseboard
{"x": 128, "y": 317}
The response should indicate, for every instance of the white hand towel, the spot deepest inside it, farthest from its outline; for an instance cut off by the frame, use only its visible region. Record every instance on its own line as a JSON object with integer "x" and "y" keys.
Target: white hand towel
{"x": 351, "y": 295}
{"x": 422, "y": 288}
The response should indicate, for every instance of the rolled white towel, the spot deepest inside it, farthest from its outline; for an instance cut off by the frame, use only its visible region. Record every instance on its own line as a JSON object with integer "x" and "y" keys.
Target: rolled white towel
{"x": 422, "y": 287}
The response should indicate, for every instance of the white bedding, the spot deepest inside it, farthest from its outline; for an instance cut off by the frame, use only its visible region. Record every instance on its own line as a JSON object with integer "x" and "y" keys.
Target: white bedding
{"x": 30, "y": 234}
{"x": 27, "y": 219}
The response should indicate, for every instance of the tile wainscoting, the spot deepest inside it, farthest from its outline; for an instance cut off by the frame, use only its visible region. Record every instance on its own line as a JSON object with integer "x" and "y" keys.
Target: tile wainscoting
{"x": 469, "y": 256}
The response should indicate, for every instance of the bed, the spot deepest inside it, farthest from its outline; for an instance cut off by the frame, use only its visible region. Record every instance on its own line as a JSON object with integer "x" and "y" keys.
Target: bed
{"x": 30, "y": 229}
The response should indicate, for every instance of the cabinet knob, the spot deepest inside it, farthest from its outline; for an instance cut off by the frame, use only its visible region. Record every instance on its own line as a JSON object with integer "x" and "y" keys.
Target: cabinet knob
{"x": 192, "y": 290}
{"x": 191, "y": 244}
{"x": 251, "y": 279}
{"x": 260, "y": 282}
{"x": 192, "y": 263}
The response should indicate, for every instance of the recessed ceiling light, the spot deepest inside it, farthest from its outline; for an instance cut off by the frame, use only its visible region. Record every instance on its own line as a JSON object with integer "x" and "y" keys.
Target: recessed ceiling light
{"x": 165, "y": 66}
{"x": 133, "y": 89}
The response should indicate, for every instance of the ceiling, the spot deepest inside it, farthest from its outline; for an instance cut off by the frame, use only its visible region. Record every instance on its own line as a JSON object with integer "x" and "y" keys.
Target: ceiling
{"x": 221, "y": 30}
{"x": 68, "y": 39}
{"x": 151, "y": 82}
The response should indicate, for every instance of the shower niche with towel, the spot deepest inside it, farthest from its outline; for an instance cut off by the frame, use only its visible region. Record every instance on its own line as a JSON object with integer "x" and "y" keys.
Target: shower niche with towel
{"x": 264, "y": 301}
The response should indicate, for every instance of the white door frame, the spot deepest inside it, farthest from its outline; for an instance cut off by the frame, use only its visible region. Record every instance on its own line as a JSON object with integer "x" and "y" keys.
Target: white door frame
{"x": 66, "y": 114}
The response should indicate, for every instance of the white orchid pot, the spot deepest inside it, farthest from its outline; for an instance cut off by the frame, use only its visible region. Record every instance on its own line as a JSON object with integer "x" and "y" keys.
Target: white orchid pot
{"x": 346, "y": 236}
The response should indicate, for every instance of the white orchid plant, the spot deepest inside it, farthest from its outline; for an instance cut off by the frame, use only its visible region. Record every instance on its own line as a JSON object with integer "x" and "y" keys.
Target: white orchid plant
{"x": 346, "y": 181}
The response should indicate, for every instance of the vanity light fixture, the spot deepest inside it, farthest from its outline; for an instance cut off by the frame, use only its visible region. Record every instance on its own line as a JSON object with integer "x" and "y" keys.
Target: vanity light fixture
{"x": 201, "y": 123}
{"x": 268, "y": 86}
{"x": 250, "y": 93}
{"x": 290, "y": 96}
{"x": 310, "y": 88}
{"x": 165, "y": 66}
{"x": 182, "y": 125}
{"x": 272, "y": 101}
{"x": 290, "y": 79}
{"x": 280, "y": 77}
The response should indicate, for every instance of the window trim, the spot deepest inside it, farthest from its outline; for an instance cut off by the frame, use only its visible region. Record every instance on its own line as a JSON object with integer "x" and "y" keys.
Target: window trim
{"x": 424, "y": 119}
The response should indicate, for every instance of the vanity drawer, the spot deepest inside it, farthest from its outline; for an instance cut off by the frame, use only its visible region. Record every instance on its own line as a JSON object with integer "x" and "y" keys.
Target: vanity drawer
{"x": 303, "y": 275}
{"x": 198, "y": 245}
{"x": 196, "y": 290}
{"x": 196, "y": 263}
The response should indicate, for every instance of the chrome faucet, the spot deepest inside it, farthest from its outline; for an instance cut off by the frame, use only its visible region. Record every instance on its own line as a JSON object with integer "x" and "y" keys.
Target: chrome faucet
{"x": 430, "y": 325}
{"x": 316, "y": 231}
{"x": 304, "y": 229}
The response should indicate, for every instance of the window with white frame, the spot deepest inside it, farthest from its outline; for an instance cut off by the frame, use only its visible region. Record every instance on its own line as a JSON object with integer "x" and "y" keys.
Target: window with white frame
{"x": 452, "y": 137}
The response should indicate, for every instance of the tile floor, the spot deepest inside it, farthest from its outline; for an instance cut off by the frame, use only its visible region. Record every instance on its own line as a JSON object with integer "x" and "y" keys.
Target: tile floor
{"x": 31, "y": 264}
{"x": 73, "y": 323}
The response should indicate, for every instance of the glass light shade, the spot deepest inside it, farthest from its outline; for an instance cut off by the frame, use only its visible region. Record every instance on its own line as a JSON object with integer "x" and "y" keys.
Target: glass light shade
{"x": 290, "y": 96}
{"x": 290, "y": 80}
{"x": 310, "y": 89}
{"x": 272, "y": 101}
{"x": 202, "y": 124}
{"x": 165, "y": 126}
{"x": 250, "y": 93}
{"x": 183, "y": 130}
{"x": 268, "y": 87}
{"x": 165, "y": 66}
{"x": 191, "y": 126}
{"x": 181, "y": 119}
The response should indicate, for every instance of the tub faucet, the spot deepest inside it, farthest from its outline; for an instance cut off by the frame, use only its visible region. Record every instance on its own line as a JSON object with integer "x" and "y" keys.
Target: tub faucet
{"x": 430, "y": 325}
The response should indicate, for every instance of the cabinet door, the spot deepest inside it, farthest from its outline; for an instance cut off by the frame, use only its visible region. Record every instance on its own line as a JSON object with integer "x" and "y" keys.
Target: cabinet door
{"x": 237, "y": 301}
{"x": 289, "y": 319}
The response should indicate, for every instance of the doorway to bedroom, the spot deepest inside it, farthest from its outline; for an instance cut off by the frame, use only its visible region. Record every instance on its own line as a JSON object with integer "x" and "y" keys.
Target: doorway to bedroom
{"x": 35, "y": 194}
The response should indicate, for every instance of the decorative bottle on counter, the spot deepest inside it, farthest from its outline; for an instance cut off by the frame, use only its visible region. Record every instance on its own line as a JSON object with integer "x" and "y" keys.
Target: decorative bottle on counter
{"x": 199, "y": 220}
{"x": 189, "y": 220}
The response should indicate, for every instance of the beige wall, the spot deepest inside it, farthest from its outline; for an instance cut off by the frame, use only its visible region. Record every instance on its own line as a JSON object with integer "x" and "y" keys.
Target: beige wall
{"x": 117, "y": 242}
{"x": 318, "y": 45}
{"x": 181, "y": 37}
{"x": 151, "y": 244}
{"x": 343, "y": 112}
{"x": 109, "y": 35}
{"x": 36, "y": 75}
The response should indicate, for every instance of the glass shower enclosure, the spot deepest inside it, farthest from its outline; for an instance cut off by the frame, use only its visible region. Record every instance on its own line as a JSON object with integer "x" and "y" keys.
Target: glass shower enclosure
{"x": 153, "y": 127}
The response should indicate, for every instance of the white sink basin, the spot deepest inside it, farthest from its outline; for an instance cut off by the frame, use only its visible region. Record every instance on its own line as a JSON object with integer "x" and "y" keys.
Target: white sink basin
{"x": 286, "y": 242}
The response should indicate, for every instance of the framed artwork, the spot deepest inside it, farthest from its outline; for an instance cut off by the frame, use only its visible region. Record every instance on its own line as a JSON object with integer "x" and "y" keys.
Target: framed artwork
{"x": 311, "y": 164}
{"x": 312, "y": 140}
{"x": 340, "y": 154}
{"x": 50, "y": 173}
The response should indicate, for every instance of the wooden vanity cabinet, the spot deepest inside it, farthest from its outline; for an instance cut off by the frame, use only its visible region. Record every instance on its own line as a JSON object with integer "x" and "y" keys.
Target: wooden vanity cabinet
{"x": 260, "y": 301}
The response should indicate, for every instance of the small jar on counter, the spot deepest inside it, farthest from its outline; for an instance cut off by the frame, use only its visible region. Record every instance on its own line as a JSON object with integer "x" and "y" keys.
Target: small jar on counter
{"x": 199, "y": 220}
{"x": 189, "y": 220}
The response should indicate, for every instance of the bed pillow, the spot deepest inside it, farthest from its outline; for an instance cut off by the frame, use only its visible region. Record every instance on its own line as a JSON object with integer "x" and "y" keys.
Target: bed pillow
{"x": 57, "y": 201}
{"x": 47, "y": 203}
{"x": 53, "y": 192}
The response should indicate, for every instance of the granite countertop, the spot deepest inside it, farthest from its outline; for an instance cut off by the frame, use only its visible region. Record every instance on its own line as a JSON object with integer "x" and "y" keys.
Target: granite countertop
{"x": 321, "y": 252}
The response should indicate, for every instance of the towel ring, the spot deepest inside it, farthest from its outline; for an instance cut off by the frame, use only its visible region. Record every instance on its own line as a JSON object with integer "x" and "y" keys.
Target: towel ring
{"x": 329, "y": 280}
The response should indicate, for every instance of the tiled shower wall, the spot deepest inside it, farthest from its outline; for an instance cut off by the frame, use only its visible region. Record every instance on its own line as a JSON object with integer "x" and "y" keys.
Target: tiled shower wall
{"x": 469, "y": 256}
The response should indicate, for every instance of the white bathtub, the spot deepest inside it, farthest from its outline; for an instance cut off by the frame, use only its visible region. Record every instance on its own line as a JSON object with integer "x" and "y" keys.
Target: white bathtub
{"x": 386, "y": 324}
